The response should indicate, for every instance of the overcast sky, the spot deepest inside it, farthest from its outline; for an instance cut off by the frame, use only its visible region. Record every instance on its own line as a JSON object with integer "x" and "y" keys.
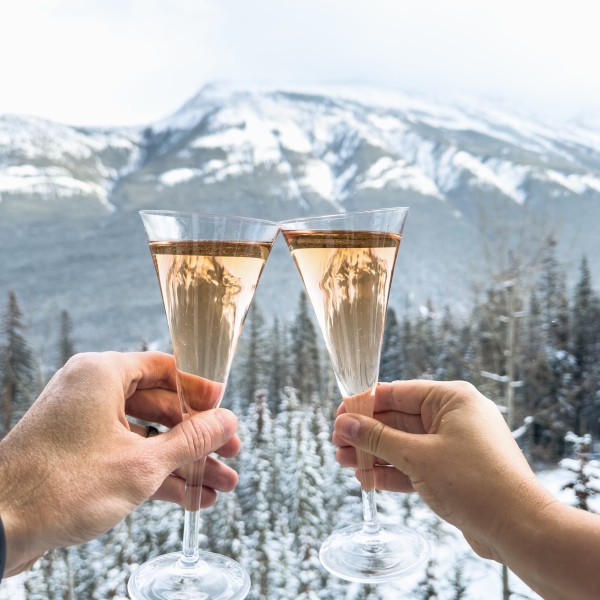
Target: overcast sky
{"x": 113, "y": 62}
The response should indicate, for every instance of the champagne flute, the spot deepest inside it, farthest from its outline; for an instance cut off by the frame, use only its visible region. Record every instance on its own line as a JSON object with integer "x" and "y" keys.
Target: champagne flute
{"x": 346, "y": 262}
{"x": 208, "y": 267}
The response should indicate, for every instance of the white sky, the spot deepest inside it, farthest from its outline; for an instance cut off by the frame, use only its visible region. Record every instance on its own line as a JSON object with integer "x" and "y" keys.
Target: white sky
{"x": 113, "y": 62}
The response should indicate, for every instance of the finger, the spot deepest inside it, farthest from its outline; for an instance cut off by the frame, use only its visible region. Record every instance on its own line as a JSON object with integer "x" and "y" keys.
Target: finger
{"x": 338, "y": 441}
{"x": 405, "y": 396}
{"x": 219, "y": 476}
{"x": 402, "y": 421}
{"x": 143, "y": 370}
{"x": 194, "y": 438}
{"x": 420, "y": 397}
{"x": 231, "y": 448}
{"x": 341, "y": 410}
{"x": 347, "y": 458}
{"x": 403, "y": 450}
{"x": 173, "y": 490}
{"x": 390, "y": 480}
{"x": 392, "y": 418}
{"x": 156, "y": 405}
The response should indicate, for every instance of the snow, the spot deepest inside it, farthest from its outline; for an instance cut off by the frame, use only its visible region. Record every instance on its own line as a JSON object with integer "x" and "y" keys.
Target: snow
{"x": 312, "y": 135}
{"x": 49, "y": 182}
{"x": 175, "y": 176}
{"x": 576, "y": 183}
{"x": 398, "y": 174}
{"x": 502, "y": 175}
{"x": 319, "y": 178}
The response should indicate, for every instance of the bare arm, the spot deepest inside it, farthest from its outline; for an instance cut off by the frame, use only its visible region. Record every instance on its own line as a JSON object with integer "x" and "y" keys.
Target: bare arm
{"x": 450, "y": 444}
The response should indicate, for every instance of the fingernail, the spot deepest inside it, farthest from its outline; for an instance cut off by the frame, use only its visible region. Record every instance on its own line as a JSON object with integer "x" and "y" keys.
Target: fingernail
{"x": 228, "y": 422}
{"x": 348, "y": 426}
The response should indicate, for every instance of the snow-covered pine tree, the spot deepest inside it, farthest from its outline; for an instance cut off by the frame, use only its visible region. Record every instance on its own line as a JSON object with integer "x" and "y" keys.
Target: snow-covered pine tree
{"x": 254, "y": 359}
{"x": 255, "y": 491}
{"x": 585, "y": 348}
{"x": 282, "y": 576}
{"x": 458, "y": 582}
{"x": 225, "y": 529}
{"x": 283, "y": 580}
{"x": 65, "y": 347}
{"x": 18, "y": 380}
{"x": 390, "y": 364}
{"x": 306, "y": 368}
{"x": 309, "y": 519}
{"x": 278, "y": 365}
{"x": 554, "y": 317}
{"x": 427, "y": 587}
{"x": 367, "y": 592}
{"x": 285, "y": 446}
{"x": 586, "y": 484}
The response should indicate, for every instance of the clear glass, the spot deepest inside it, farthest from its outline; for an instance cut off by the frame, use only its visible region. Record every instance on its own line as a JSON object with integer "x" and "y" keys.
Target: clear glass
{"x": 347, "y": 262}
{"x": 208, "y": 267}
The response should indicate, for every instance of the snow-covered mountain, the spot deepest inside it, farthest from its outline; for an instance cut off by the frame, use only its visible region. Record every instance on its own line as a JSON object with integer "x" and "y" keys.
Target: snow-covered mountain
{"x": 69, "y": 195}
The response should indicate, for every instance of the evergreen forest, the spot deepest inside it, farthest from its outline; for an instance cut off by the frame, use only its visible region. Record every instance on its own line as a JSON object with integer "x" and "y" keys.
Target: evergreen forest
{"x": 532, "y": 347}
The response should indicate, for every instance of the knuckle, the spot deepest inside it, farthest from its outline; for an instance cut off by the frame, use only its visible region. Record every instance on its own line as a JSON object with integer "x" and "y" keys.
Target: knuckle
{"x": 464, "y": 389}
{"x": 198, "y": 438}
{"x": 375, "y": 438}
{"x": 82, "y": 368}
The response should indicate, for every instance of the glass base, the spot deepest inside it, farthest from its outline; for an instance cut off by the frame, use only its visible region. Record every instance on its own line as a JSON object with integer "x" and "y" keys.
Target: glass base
{"x": 392, "y": 553}
{"x": 168, "y": 577}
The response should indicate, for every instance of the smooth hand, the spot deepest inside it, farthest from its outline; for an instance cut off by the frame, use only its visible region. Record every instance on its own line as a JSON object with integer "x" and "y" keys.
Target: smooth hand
{"x": 470, "y": 472}
{"x": 73, "y": 467}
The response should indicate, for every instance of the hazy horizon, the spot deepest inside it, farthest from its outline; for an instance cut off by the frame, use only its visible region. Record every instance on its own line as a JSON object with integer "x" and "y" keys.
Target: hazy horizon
{"x": 133, "y": 62}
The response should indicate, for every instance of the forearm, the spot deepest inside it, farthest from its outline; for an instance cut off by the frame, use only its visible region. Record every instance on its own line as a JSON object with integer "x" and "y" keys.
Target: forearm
{"x": 555, "y": 549}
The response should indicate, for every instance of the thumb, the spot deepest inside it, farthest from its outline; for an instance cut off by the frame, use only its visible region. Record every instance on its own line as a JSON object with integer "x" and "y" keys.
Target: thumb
{"x": 195, "y": 437}
{"x": 399, "y": 448}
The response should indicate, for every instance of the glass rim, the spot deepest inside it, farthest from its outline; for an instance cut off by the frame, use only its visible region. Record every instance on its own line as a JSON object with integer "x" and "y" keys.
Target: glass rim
{"x": 344, "y": 214}
{"x": 189, "y": 213}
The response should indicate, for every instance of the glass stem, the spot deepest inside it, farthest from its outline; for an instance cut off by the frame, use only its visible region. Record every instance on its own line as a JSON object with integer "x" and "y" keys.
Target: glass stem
{"x": 371, "y": 522}
{"x": 191, "y": 526}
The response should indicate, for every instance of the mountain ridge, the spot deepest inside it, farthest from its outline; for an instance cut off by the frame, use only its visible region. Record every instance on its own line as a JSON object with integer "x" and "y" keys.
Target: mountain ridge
{"x": 69, "y": 195}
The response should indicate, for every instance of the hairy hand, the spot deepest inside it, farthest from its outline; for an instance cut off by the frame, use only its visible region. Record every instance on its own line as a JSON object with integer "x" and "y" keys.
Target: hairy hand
{"x": 450, "y": 444}
{"x": 74, "y": 467}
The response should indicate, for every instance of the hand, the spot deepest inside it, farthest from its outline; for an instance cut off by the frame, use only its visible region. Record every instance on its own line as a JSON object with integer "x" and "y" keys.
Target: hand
{"x": 469, "y": 470}
{"x": 73, "y": 468}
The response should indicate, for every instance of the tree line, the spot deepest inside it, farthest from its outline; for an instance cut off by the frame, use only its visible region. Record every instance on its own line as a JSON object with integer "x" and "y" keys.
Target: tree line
{"x": 535, "y": 347}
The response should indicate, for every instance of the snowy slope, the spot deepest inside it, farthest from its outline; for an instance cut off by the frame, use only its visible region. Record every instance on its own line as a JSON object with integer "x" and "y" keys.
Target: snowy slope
{"x": 46, "y": 160}
{"x": 428, "y": 148}
{"x": 69, "y": 196}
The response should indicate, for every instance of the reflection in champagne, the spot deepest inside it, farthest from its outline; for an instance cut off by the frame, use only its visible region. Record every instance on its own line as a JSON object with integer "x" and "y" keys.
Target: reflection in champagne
{"x": 207, "y": 288}
{"x": 347, "y": 275}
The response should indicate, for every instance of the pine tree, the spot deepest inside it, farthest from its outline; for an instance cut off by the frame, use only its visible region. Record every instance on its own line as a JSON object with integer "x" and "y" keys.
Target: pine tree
{"x": 18, "y": 385}
{"x": 585, "y": 345}
{"x": 586, "y": 484}
{"x": 278, "y": 365}
{"x": 225, "y": 528}
{"x": 458, "y": 582}
{"x": 253, "y": 365}
{"x": 66, "y": 347}
{"x": 308, "y": 520}
{"x": 255, "y": 491}
{"x": 390, "y": 365}
{"x": 426, "y": 588}
{"x": 306, "y": 369}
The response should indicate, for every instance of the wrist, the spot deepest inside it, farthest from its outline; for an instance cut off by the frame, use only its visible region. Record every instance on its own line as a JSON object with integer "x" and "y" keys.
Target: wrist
{"x": 19, "y": 554}
{"x": 526, "y": 523}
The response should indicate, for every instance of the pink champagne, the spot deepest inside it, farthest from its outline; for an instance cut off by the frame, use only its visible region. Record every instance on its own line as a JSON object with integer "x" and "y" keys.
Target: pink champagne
{"x": 347, "y": 275}
{"x": 207, "y": 288}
